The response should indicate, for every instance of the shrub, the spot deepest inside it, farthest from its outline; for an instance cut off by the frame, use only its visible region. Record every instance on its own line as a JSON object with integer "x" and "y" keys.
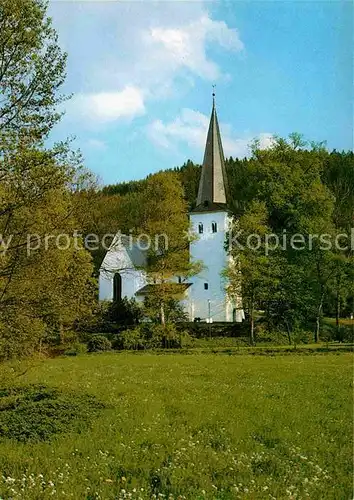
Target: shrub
{"x": 111, "y": 316}
{"x": 152, "y": 336}
{"x": 130, "y": 339}
{"x": 126, "y": 312}
{"x": 302, "y": 337}
{"x": 76, "y": 349}
{"x": 98, "y": 343}
{"x": 162, "y": 336}
{"x": 186, "y": 339}
{"x": 264, "y": 336}
{"x": 343, "y": 334}
{"x": 20, "y": 335}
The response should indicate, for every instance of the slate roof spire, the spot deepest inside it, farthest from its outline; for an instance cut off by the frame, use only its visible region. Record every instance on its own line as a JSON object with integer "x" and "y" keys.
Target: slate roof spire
{"x": 212, "y": 193}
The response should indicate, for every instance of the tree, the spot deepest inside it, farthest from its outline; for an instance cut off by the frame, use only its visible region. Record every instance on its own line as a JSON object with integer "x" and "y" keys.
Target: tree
{"x": 32, "y": 69}
{"x": 43, "y": 274}
{"x": 284, "y": 196}
{"x": 166, "y": 223}
{"x": 250, "y": 273}
{"x": 159, "y": 211}
{"x": 44, "y": 286}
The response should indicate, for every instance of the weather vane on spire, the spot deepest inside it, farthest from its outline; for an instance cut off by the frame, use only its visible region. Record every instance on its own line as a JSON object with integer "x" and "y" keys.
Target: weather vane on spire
{"x": 213, "y": 90}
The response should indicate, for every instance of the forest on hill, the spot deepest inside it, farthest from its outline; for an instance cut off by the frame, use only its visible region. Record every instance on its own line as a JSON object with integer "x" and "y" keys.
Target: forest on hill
{"x": 50, "y": 204}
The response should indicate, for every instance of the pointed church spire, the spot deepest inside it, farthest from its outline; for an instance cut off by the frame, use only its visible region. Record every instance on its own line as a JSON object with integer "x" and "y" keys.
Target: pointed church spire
{"x": 212, "y": 193}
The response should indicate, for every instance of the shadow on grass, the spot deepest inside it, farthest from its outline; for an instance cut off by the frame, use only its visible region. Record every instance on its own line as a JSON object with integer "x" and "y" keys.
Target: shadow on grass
{"x": 37, "y": 413}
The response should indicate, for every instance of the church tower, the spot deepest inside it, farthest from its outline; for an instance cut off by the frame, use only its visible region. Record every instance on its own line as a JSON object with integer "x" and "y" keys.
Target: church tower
{"x": 210, "y": 221}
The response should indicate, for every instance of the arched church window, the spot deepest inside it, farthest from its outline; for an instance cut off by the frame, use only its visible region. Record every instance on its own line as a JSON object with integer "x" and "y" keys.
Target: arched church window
{"x": 214, "y": 227}
{"x": 117, "y": 287}
{"x": 206, "y": 286}
{"x": 200, "y": 228}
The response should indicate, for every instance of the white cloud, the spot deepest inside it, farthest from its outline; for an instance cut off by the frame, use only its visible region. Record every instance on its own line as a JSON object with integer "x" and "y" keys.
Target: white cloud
{"x": 126, "y": 57}
{"x": 106, "y": 107}
{"x": 185, "y": 46}
{"x": 157, "y": 47}
{"x": 266, "y": 140}
{"x": 191, "y": 127}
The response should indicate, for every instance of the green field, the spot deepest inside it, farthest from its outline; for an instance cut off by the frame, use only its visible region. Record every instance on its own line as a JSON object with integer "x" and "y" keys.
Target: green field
{"x": 200, "y": 426}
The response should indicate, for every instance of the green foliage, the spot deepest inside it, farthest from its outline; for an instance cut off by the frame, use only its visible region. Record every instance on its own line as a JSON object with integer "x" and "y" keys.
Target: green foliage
{"x": 130, "y": 339}
{"x": 302, "y": 337}
{"x": 109, "y": 317}
{"x": 173, "y": 309}
{"x": 264, "y": 336}
{"x": 152, "y": 336}
{"x": 289, "y": 189}
{"x": 43, "y": 291}
{"x": 189, "y": 175}
{"x": 76, "y": 349}
{"x": 338, "y": 175}
{"x": 292, "y": 187}
{"x": 160, "y": 211}
{"x": 32, "y": 71}
{"x": 98, "y": 343}
{"x": 20, "y": 335}
{"x": 162, "y": 336}
{"x": 125, "y": 312}
{"x": 343, "y": 333}
{"x": 97, "y": 214}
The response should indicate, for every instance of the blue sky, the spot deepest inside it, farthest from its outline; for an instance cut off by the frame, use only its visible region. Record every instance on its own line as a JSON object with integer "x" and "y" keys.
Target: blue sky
{"x": 142, "y": 75}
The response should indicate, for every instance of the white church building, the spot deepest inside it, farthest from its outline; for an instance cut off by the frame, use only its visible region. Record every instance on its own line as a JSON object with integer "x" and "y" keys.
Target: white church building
{"x": 205, "y": 296}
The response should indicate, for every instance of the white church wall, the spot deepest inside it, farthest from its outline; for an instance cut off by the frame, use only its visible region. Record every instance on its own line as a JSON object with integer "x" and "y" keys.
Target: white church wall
{"x": 209, "y": 248}
{"x": 132, "y": 281}
{"x": 118, "y": 260}
{"x": 105, "y": 283}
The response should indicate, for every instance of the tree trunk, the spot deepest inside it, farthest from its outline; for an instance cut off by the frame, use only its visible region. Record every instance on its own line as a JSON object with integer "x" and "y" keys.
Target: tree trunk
{"x": 288, "y": 331}
{"x": 252, "y": 324}
{"x": 338, "y": 306}
{"x": 252, "y": 331}
{"x": 318, "y": 319}
{"x": 338, "y": 315}
{"x": 162, "y": 313}
{"x": 61, "y": 332}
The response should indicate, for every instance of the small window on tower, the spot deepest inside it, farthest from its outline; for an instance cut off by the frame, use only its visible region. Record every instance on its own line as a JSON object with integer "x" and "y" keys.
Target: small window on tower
{"x": 214, "y": 227}
{"x": 206, "y": 286}
{"x": 200, "y": 228}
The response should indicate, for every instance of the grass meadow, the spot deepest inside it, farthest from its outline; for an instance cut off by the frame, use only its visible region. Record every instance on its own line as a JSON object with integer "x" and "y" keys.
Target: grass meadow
{"x": 204, "y": 426}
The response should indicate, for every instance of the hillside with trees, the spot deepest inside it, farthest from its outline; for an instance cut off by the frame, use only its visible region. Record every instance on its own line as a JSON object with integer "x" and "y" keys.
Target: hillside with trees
{"x": 292, "y": 188}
